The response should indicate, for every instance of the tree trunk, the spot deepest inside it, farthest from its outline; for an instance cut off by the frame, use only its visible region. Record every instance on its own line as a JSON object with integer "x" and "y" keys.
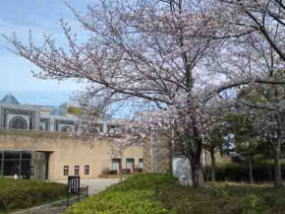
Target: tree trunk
{"x": 277, "y": 153}
{"x": 171, "y": 145}
{"x": 277, "y": 167}
{"x": 213, "y": 165}
{"x": 198, "y": 176}
{"x": 269, "y": 169}
{"x": 250, "y": 174}
{"x": 170, "y": 153}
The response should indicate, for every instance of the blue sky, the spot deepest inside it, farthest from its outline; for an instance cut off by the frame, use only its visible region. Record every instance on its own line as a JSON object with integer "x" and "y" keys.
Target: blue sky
{"x": 39, "y": 16}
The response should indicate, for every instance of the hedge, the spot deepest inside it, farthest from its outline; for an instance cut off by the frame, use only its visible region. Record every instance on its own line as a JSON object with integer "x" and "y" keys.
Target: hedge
{"x": 239, "y": 172}
{"x": 17, "y": 194}
{"x": 136, "y": 195}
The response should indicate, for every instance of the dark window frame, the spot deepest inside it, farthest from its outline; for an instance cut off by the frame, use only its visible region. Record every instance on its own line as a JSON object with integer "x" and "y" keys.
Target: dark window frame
{"x": 87, "y": 170}
{"x": 66, "y": 170}
{"x": 119, "y": 160}
{"x": 141, "y": 161}
{"x": 76, "y": 170}
{"x": 132, "y": 160}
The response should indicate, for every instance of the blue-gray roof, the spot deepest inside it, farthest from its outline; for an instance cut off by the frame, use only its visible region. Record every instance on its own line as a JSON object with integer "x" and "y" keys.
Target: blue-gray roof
{"x": 10, "y": 99}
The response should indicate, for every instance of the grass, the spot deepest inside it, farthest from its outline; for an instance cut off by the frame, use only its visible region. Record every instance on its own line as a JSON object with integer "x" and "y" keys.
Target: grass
{"x": 18, "y": 194}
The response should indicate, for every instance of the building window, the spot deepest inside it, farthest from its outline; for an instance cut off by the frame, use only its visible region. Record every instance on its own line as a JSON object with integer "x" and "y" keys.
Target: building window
{"x": 86, "y": 169}
{"x": 141, "y": 163}
{"x": 18, "y": 123}
{"x": 12, "y": 163}
{"x": 130, "y": 164}
{"x": 76, "y": 170}
{"x": 65, "y": 170}
{"x": 66, "y": 129}
{"x": 116, "y": 164}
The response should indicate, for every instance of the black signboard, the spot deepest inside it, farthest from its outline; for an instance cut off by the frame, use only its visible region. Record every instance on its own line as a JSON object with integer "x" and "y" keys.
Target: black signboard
{"x": 73, "y": 184}
{"x": 73, "y": 187}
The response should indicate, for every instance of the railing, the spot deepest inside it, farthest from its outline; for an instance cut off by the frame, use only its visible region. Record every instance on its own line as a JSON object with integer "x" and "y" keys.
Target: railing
{"x": 55, "y": 133}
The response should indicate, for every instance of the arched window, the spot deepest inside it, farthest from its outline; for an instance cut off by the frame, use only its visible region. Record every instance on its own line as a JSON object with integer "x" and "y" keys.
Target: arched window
{"x": 18, "y": 123}
{"x": 66, "y": 129}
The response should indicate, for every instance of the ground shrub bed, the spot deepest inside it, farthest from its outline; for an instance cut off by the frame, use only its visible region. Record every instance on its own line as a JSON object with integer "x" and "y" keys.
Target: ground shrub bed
{"x": 160, "y": 194}
{"x": 136, "y": 195}
{"x": 224, "y": 198}
{"x": 17, "y": 194}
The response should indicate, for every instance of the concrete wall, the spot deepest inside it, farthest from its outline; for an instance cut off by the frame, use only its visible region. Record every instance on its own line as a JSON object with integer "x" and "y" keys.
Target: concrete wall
{"x": 39, "y": 165}
{"x": 156, "y": 155}
{"x": 67, "y": 151}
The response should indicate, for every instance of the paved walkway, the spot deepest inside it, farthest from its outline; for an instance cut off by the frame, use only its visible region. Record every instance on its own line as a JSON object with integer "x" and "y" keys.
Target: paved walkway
{"x": 95, "y": 185}
{"x": 57, "y": 207}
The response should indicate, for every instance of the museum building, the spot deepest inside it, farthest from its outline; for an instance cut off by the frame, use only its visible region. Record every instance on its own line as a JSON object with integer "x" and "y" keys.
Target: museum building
{"x": 36, "y": 142}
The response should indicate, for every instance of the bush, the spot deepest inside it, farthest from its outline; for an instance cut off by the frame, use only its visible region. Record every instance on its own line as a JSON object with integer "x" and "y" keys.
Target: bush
{"x": 253, "y": 203}
{"x": 139, "y": 202}
{"x": 16, "y": 194}
{"x": 239, "y": 172}
{"x": 136, "y": 195}
{"x": 144, "y": 182}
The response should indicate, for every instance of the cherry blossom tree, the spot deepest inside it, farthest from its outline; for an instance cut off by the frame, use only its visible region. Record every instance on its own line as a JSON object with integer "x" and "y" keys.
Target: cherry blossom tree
{"x": 152, "y": 51}
{"x": 147, "y": 50}
{"x": 266, "y": 17}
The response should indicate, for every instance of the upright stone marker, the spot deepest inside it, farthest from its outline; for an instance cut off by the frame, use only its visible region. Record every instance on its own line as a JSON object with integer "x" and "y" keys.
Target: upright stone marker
{"x": 182, "y": 170}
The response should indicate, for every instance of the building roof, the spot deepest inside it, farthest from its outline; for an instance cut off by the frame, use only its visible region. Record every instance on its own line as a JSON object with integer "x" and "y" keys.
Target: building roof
{"x": 58, "y": 111}
{"x": 10, "y": 99}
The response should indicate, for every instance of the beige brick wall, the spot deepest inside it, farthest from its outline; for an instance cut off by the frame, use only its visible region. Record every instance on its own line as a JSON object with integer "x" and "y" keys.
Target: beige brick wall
{"x": 69, "y": 151}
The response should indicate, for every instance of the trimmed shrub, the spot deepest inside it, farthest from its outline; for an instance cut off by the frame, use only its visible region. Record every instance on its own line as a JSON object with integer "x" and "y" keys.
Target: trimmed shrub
{"x": 16, "y": 194}
{"x": 136, "y": 195}
{"x": 139, "y": 202}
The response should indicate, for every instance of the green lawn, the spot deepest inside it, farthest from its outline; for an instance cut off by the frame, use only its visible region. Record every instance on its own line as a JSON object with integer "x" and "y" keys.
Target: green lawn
{"x": 160, "y": 194}
{"x": 18, "y": 194}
